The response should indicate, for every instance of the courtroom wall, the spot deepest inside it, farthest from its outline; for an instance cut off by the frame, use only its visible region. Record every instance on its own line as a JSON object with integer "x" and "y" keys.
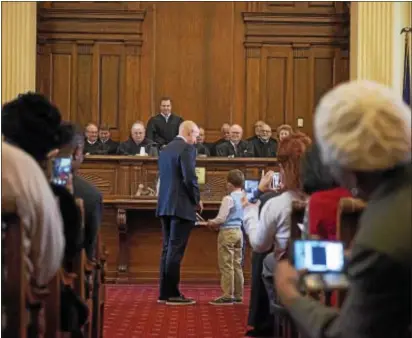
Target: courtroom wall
{"x": 220, "y": 62}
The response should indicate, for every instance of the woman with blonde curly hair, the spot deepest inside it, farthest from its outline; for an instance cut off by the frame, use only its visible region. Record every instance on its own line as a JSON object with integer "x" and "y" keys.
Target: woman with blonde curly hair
{"x": 272, "y": 227}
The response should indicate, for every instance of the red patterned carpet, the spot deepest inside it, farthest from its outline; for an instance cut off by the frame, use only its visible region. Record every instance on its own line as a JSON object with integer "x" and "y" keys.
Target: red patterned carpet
{"x": 132, "y": 312}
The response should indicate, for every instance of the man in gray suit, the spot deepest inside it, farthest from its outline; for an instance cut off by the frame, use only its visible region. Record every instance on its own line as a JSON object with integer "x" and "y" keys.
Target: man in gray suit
{"x": 364, "y": 133}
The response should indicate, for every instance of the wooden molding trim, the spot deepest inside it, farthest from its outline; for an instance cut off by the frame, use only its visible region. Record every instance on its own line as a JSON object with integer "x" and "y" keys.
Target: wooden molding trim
{"x": 73, "y": 24}
{"x": 300, "y": 28}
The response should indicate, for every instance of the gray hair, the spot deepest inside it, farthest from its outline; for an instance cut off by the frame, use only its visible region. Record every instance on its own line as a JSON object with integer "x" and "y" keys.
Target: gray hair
{"x": 363, "y": 126}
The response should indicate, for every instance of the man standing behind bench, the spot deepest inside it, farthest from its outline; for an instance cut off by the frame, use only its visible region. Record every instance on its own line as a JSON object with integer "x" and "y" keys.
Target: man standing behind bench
{"x": 163, "y": 127}
{"x": 179, "y": 196}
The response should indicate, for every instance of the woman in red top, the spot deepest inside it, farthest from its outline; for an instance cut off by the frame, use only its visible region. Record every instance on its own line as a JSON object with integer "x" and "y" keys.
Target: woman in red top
{"x": 325, "y": 195}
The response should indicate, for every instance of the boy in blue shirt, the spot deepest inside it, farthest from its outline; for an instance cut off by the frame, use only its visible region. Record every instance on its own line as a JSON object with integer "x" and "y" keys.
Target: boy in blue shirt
{"x": 230, "y": 240}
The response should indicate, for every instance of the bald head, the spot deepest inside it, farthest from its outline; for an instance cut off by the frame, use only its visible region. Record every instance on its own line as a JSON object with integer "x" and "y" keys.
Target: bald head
{"x": 236, "y": 133}
{"x": 363, "y": 126}
{"x": 225, "y": 131}
{"x": 258, "y": 127}
{"x": 138, "y": 132}
{"x": 189, "y": 131}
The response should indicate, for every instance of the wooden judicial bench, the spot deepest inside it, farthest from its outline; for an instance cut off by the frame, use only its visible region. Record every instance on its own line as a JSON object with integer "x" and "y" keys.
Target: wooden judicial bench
{"x": 132, "y": 233}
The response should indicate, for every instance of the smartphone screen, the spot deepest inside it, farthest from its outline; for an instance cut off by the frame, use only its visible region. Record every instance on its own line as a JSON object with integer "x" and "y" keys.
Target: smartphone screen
{"x": 276, "y": 180}
{"x": 61, "y": 169}
{"x": 319, "y": 256}
{"x": 250, "y": 187}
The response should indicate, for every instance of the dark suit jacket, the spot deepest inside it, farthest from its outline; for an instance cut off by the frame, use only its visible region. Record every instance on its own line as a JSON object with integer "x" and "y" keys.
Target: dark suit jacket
{"x": 378, "y": 304}
{"x": 226, "y": 149}
{"x": 178, "y": 191}
{"x": 162, "y": 132}
{"x": 130, "y": 147}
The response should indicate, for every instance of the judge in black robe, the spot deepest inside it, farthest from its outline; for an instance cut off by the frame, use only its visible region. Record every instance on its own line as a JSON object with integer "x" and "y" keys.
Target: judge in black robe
{"x": 164, "y": 127}
{"x": 229, "y": 149}
{"x": 91, "y": 148}
{"x": 136, "y": 141}
{"x": 258, "y": 128}
{"x": 264, "y": 145}
{"x": 130, "y": 147}
{"x": 201, "y": 149}
{"x": 225, "y": 130}
{"x": 107, "y": 145}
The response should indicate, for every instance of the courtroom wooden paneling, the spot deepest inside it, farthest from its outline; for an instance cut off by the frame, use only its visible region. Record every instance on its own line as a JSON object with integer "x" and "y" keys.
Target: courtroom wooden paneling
{"x": 295, "y": 52}
{"x": 219, "y": 61}
{"x": 89, "y": 61}
{"x": 130, "y": 230}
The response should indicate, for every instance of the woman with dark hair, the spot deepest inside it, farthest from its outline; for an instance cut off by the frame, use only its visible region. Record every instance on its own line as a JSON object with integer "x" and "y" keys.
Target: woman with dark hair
{"x": 272, "y": 226}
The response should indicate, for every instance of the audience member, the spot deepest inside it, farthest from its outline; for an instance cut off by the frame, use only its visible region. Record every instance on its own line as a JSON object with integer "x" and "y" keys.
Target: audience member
{"x": 92, "y": 144}
{"x": 107, "y": 145}
{"x": 235, "y": 147}
{"x": 364, "y": 135}
{"x": 23, "y": 181}
{"x": 271, "y": 228}
{"x": 137, "y": 142}
{"x": 229, "y": 221}
{"x": 164, "y": 127}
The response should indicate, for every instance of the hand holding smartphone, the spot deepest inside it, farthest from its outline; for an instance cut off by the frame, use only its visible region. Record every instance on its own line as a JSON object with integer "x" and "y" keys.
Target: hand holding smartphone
{"x": 324, "y": 262}
{"x": 60, "y": 170}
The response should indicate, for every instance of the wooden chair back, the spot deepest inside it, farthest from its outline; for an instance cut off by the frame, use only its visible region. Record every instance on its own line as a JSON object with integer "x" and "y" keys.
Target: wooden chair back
{"x": 349, "y": 212}
{"x": 14, "y": 280}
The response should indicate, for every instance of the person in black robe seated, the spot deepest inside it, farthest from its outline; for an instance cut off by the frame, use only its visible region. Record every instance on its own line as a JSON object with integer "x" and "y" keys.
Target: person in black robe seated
{"x": 92, "y": 143}
{"x": 138, "y": 142}
{"x": 107, "y": 145}
{"x": 264, "y": 145}
{"x": 202, "y": 148}
{"x": 235, "y": 147}
{"x": 164, "y": 127}
{"x": 258, "y": 128}
{"x": 225, "y": 130}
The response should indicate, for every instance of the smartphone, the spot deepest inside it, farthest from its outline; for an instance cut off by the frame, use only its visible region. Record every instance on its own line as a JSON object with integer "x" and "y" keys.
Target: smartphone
{"x": 324, "y": 262}
{"x": 61, "y": 168}
{"x": 250, "y": 187}
{"x": 276, "y": 179}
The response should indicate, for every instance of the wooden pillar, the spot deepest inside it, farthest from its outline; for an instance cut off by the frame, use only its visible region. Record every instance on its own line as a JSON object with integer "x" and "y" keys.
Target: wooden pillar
{"x": 18, "y": 48}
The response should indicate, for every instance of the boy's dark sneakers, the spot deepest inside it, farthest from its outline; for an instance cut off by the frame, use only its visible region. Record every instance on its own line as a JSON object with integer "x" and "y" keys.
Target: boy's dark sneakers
{"x": 180, "y": 300}
{"x": 237, "y": 300}
{"x": 222, "y": 301}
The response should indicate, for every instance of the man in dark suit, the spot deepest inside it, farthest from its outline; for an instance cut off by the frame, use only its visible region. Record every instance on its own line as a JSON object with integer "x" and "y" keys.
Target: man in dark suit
{"x": 377, "y": 169}
{"x": 178, "y": 199}
{"x": 163, "y": 127}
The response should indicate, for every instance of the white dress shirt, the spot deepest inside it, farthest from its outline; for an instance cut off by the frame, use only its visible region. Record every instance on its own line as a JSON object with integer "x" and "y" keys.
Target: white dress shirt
{"x": 273, "y": 224}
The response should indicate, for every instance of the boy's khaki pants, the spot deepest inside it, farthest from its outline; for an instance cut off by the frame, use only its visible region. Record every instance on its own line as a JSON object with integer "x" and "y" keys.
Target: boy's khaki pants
{"x": 229, "y": 247}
